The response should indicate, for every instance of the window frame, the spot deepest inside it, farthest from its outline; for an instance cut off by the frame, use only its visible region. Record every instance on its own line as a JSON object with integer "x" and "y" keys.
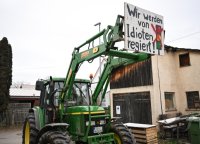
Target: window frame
{"x": 173, "y": 101}
{"x": 184, "y": 60}
{"x": 195, "y": 99}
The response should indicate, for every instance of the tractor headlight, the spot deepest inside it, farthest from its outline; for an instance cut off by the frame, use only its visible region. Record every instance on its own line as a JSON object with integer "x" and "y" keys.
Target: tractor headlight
{"x": 92, "y": 123}
{"x": 102, "y": 122}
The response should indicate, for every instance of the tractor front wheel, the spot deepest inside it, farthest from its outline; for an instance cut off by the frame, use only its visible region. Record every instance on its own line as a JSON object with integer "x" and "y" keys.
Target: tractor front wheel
{"x": 29, "y": 130}
{"x": 121, "y": 134}
{"x": 54, "y": 137}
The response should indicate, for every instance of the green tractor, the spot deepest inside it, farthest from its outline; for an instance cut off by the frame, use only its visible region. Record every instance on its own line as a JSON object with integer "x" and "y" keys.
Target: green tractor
{"x": 68, "y": 111}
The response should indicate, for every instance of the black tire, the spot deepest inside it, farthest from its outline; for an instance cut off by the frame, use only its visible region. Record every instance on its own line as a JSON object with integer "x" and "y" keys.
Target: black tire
{"x": 54, "y": 137}
{"x": 122, "y": 135}
{"x": 30, "y": 132}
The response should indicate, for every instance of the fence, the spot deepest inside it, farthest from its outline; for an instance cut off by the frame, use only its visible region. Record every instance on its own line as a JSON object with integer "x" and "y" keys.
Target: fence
{"x": 15, "y": 115}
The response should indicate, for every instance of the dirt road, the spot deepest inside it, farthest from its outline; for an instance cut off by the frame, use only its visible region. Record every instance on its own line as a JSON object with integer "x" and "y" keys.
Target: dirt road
{"x": 10, "y": 136}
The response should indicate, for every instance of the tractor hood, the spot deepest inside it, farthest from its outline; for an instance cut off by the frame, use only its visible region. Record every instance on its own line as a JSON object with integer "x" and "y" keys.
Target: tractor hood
{"x": 77, "y": 110}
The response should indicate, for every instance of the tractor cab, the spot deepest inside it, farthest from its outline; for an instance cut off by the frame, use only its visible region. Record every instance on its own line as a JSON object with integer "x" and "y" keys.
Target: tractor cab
{"x": 51, "y": 89}
{"x": 50, "y": 92}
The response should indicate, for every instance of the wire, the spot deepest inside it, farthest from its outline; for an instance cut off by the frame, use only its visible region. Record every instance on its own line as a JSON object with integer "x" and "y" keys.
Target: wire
{"x": 189, "y": 35}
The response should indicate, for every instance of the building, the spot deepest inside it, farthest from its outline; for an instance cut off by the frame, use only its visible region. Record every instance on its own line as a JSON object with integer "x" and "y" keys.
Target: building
{"x": 168, "y": 84}
{"x": 24, "y": 94}
{"x": 22, "y": 98}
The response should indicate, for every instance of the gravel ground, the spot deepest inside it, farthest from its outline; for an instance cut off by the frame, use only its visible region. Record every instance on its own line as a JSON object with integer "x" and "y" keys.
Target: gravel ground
{"x": 10, "y": 136}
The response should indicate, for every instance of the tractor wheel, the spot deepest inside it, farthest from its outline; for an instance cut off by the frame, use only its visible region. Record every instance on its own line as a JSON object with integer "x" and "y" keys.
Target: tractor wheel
{"x": 121, "y": 134}
{"x": 29, "y": 130}
{"x": 54, "y": 137}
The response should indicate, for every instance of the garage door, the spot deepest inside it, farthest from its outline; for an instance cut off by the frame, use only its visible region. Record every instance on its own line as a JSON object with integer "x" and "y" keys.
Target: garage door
{"x": 133, "y": 107}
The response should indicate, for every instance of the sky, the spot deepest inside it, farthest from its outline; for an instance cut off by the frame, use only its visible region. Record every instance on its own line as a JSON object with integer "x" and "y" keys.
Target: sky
{"x": 43, "y": 33}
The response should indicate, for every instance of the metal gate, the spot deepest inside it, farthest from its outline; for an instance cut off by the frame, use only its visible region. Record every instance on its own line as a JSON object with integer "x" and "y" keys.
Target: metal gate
{"x": 133, "y": 107}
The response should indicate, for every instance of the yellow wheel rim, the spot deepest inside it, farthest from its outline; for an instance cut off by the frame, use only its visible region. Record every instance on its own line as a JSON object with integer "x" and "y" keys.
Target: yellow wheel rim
{"x": 27, "y": 133}
{"x": 117, "y": 139}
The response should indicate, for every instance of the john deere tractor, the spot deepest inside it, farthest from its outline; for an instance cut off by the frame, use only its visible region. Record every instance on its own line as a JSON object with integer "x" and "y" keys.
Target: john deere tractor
{"x": 68, "y": 111}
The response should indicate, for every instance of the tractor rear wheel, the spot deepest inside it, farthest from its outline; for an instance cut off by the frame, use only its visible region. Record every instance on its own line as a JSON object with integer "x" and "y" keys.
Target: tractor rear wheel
{"x": 121, "y": 134}
{"x": 54, "y": 137}
{"x": 29, "y": 130}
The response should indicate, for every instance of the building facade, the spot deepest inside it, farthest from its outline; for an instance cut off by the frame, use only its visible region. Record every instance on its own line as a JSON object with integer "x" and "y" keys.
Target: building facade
{"x": 166, "y": 84}
{"x": 22, "y": 98}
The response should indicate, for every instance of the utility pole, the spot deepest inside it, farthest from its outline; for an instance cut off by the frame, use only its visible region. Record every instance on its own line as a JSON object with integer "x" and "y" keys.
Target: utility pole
{"x": 99, "y": 24}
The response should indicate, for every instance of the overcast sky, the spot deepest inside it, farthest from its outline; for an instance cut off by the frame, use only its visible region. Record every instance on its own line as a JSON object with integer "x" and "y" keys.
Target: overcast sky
{"x": 43, "y": 33}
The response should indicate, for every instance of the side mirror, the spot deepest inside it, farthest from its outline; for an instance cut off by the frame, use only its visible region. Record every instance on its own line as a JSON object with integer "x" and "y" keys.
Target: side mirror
{"x": 39, "y": 85}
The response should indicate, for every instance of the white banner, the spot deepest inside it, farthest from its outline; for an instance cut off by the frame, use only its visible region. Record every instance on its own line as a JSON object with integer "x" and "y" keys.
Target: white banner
{"x": 144, "y": 30}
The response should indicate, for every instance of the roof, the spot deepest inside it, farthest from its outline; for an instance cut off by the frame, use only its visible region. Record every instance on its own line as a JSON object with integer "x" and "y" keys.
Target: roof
{"x": 24, "y": 91}
{"x": 24, "y": 86}
{"x": 167, "y": 47}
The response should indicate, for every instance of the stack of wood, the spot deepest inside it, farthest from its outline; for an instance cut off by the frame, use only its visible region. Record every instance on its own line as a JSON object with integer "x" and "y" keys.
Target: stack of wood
{"x": 144, "y": 133}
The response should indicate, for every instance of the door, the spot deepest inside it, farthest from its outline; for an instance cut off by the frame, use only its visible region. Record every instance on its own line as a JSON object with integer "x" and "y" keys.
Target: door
{"x": 133, "y": 107}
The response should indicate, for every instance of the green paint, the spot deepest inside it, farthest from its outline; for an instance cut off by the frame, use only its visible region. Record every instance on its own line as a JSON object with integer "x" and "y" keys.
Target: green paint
{"x": 77, "y": 109}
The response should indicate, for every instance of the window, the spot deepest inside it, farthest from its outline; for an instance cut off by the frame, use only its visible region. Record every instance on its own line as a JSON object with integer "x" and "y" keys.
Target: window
{"x": 169, "y": 101}
{"x": 184, "y": 59}
{"x": 193, "y": 99}
{"x": 81, "y": 93}
{"x": 58, "y": 85}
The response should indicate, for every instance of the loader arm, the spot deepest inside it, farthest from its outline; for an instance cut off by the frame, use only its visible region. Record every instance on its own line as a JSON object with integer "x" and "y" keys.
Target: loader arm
{"x": 110, "y": 36}
{"x": 123, "y": 59}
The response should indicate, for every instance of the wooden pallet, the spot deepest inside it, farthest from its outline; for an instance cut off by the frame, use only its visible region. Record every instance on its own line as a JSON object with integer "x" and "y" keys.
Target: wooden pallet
{"x": 144, "y": 133}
